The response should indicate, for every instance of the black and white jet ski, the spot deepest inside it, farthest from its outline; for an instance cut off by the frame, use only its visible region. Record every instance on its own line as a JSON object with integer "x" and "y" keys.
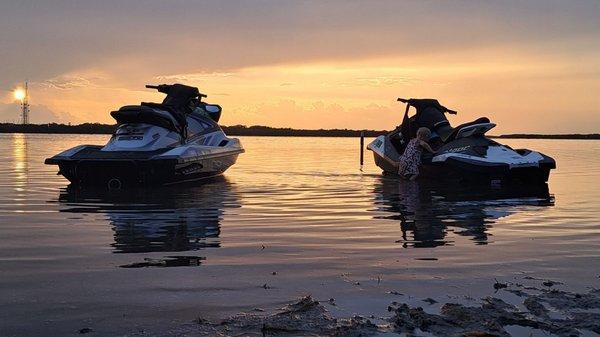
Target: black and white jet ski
{"x": 462, "y": 153}
{"x": 155, "y": 143}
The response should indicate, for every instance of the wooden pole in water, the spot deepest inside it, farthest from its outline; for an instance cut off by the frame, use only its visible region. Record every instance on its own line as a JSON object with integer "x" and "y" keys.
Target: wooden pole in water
{"x": 362, "y": 150}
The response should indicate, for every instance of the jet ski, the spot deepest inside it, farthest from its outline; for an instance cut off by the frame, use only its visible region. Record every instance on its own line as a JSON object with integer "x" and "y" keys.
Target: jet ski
{"x": 463, "y": 153}
{"x": 155, "y": 144}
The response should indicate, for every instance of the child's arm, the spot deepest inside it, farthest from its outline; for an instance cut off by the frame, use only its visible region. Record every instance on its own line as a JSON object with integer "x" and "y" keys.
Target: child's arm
{"x": 426, "y": 146}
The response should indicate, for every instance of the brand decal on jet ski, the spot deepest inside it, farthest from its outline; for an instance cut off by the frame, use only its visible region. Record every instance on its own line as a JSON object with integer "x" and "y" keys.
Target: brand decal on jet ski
{"x": 131, "y": 137}
{"x": 191, "y": 169}
{"x": 457, "y": 149}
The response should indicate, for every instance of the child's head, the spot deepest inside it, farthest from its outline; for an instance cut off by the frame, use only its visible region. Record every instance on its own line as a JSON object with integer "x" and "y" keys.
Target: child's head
{"x": 423, "y": 133}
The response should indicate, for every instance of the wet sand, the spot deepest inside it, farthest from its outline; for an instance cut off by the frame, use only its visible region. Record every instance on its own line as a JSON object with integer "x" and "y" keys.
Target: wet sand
{"x": 532, "y": 307}
{"x": 281, "y": 300}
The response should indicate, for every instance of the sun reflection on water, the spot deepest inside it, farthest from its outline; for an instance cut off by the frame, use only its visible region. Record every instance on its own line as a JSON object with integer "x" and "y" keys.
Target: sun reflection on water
{"x": 21, "y": 166}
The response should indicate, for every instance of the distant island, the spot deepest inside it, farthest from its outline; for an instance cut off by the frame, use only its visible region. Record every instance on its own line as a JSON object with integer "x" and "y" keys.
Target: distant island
{"x": 242, "y": 130}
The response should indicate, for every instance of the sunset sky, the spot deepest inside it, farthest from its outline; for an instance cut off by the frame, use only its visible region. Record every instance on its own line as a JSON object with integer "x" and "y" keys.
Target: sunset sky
{"x": 531, "y": 66}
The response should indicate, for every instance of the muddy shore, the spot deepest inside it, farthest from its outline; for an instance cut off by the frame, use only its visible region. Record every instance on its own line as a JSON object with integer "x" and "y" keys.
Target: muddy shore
{"x": 534, "y": 307}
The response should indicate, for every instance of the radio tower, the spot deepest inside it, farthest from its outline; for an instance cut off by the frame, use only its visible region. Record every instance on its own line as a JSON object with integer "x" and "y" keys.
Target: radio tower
{"x": 25, "y": 107}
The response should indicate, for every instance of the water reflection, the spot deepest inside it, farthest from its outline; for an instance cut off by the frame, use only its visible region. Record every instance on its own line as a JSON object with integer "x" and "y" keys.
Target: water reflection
{"x": 21, "y": 164}
{"x": 429, "y": 214}
{"x": 169, "y": 219}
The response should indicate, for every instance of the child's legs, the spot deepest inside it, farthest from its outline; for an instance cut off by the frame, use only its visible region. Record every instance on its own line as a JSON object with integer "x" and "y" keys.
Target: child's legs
{"x": 401, "y": 168}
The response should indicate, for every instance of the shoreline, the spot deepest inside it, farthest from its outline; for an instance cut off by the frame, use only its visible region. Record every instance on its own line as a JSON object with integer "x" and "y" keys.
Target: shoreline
{"x": 529, "y": 305}
{"x": 256, "y": 130}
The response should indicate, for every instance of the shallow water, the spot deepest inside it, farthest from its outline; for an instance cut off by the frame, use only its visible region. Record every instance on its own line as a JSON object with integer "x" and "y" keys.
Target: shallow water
{"x": 293, "y": 216}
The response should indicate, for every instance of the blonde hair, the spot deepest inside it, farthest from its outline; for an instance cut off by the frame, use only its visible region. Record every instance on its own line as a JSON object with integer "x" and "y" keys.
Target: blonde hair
{"x": 423, "y": 133}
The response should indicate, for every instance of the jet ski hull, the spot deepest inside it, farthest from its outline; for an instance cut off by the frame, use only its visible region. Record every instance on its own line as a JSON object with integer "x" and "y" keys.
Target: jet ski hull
{"x": 122, "y": 169}
{"x": 495, "y": 173}
{"x": 515, "y": 167}
{"x": 465, "y": 172}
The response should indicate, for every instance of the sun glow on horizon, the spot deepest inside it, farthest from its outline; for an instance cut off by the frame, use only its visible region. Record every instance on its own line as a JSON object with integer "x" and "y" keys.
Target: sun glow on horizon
{"x": 355, "y": 94}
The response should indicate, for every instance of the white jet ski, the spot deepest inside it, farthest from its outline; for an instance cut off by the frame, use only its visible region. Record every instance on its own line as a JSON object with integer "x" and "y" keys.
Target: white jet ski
{"x": 155, "y": 144}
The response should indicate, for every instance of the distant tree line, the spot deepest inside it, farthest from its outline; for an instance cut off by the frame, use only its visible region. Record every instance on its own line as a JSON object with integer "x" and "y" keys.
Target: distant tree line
{"x": 236, "y": 130}
{"x": 259, "y": 130}
{"x": 562, "y": 136}
{"x": 86, "y": 128}
{"x": 242, "y": 130}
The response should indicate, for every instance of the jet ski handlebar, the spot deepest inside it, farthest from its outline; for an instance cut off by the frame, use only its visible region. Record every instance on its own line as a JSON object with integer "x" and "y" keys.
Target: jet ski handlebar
{"x": 165, "y": 88}
{"x": 418, "y": 103}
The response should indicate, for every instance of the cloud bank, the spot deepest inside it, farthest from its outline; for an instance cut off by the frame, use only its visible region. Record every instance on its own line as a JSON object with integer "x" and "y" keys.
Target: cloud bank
{"x": 527, "y": 63}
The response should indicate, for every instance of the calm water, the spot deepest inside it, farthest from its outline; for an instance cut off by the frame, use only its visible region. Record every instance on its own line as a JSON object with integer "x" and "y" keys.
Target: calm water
{"x": 293, "y": 216}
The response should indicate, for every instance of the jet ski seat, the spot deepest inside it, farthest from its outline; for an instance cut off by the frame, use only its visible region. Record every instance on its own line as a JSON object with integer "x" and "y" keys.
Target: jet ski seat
{"x": 452, "y": 136}
{"x": 178, "y": 115}
{"x": 146, "y": 114}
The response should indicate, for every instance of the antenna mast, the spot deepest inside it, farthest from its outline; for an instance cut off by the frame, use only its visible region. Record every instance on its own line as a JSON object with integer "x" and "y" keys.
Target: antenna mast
{"x": 25, "y": 106}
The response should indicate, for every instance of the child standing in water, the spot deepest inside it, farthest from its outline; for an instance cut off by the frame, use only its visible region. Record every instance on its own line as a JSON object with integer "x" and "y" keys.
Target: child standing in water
{"x": 408, "y": 167}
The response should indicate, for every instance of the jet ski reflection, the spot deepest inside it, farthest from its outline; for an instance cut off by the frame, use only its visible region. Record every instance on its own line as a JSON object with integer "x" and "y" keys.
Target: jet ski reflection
{"x": 167, "y": 219}
{"x": 430, "y": 214}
